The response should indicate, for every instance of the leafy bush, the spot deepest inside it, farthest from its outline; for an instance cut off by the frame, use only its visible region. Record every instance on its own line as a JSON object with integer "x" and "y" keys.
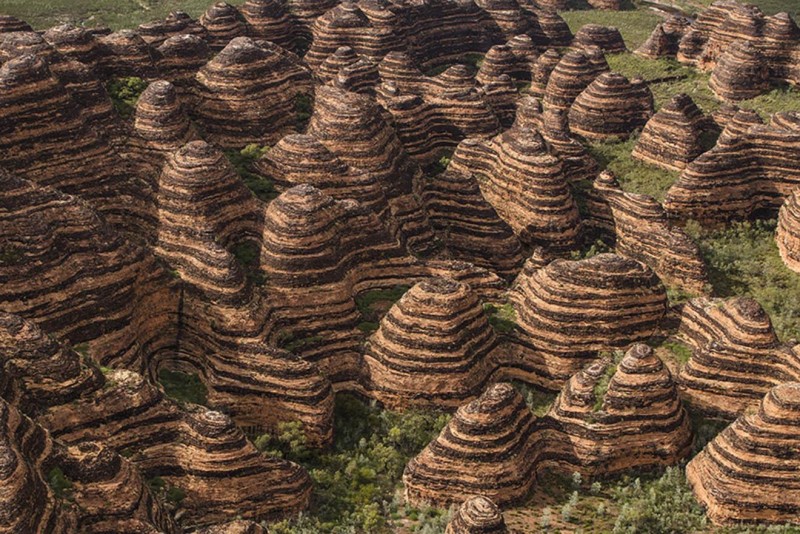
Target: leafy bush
{"x": 242, "y": 162}
{"x": 183, "y": 387}
{"x": 59, "y": 483}
{"x": 503, "y": 318}
{"x": 124, "y": 93}
{"x": 367, "y": 302}
{"x": 355, "y": 482}
{"x": 247, "y": 255}
{"x": 538, "y": 401}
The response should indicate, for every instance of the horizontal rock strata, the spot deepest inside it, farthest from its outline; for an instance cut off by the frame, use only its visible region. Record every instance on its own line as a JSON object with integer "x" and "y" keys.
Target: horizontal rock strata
{"x": 788, "y": 234}
{"x": 477, "y": 515}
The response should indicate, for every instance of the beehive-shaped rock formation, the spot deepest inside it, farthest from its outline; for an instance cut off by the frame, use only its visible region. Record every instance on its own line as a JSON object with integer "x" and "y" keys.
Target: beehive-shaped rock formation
{"x": 637, "y": 422}
{"x": 176, "y": 23}
{"x": 124, "y": 53}
{"x": 222, "y": 22}
{"x": 432, "y": 348}
{"x": 610, "y": 5}
{"x": 553, "y": 125}
{"x": 269, "y": 20}
{"x": 753, "y": 166}
{"x": 123, "y": 301}
{"x": 235, "y": 527}
{"x": 643, "y": 232}
{"x": 736, "y": 356}
{"x": 740, "y": 73}
{"x": 606, "y": 38}
{"x": 9, "y": 24}
{"x": 161, "y": 126}
{"x": 569, "y": 310}
{"x": 672, "y": 137}
{"x": 788, "y": 234}
{"x": 611, "y": 107}
{"x": 75, "y": 42}
{"x": 433, "y": 114}
{"x": 65, "y": 154}
{"x": 541, "y": 70}
{"x": 470, "y": 227}
{"x": 525, "y": 184}
{"x": 747, "y": 473}
{"x": 351, "y": 127}
{"x": 573, "y": 73}
{"x": 179, "y": 59}
{"x": 486, "y": 449}
{"x": 246, "y": 93}
{"x": 477, "y": 515}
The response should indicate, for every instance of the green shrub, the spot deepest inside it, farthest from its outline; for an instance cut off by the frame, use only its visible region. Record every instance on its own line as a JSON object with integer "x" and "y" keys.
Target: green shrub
{"x": 242, "y": 161}
{"x": 59, "y": 483}
{"x": 247, "y": 255}
{"x": 124, "y": 93}
{"x": 183, "y": 387}
{"x": 503, "y": 317}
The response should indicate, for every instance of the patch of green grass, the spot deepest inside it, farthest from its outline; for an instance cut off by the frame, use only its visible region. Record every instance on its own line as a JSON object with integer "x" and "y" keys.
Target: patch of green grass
{"x": 367, "y": 327}
{"x": 293, "y": 344}
{"x": 781, "y": 98}
{"x": 124, "y": 93}
{"x": 183, "y": 387}
{"x": 633, "y": 175}
{"x": 242, "y": 161}
{"x": 59, "y": 483}
{"x": 743, "y": 260}
{"x": 368, "y": 302}
{"x": 117, "y": 14}
{"x": 503, "y": 317}
{"x": 635, "y": 26}
{"x": 681, "y": 352}
{"x": 601, "y": 386}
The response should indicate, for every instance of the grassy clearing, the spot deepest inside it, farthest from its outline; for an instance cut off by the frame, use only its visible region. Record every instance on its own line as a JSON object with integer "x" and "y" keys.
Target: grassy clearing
{"x": 117, "y": 14}
{"x": 743, "y": 260}
{"x": 539, "y": 401}
{"x": 633, "y": 175}
{"x": 373, "y": 304}
{"x": 502, "y": 317}
{"x": 183, "y": 387}
{"x": 635, "y": 26}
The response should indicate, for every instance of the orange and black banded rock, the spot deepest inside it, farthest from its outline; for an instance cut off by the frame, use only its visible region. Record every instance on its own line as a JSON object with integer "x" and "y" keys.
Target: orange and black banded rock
{"x": 748, "y": 472}
{"x": 611, "y": 107}
{"x": 269, "y": 20}
{"x": 176, "y": 23}
{"x": 514, "y": 58}
{"x": 351, "y": 127}
{"x": 246, "y": 93}
{"x": 125, "y": 53}
{"x": 573, "y": 73}
{"x": 235, "y": 527}
{"x": 541, "y": 70}
{"x": 788, "y": 233}
{"x": 203, "y": 207}
{"x": 672, "y": 137}
{"x": 752, "y": 166}
{"x": 638, "y": 423}
{"x": 160, "y": 127}
{"x": 486, "y": 449}
{"x": 469, "y": 226}
{"x": 525, "y": 184}
{"x": 736, "y": 355}
{"x": 433, "y": 114}
{"x": 606, "y": 38}
{"x": 223, "y": 23}
{"x": 554, "y": 27}
{"x": 179, "y": 58}
{"x": 569, "y": 310}
{"x": 44, "y": 137}
{"x": 477, "y": 515}
{"x": 301, "y": 159}
{"x": 740, "y": 73}
{"x": 643, "y": 232}
{"x": 554, "y": 127}
{"x": 197, "y": 450}
{"x": 124, "y": 302}
{"x": 9, "y": 24}
{"x": 75, "y": 42}
{"x": 665, "y": 39}
{"x": 432, "y": 348}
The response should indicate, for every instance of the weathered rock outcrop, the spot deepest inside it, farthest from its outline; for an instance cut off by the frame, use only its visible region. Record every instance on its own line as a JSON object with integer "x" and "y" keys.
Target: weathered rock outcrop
{"x": 665, "y": 39}
{"x": 9, "y": 24}
{"x": 672, "y": 137}
{"x": 486, "y": 449}
{"x": 753, "y": 166}
{"x": 176, "y": 23}
{"x": 352, "y": 128}
{"x": 746, "y": 473}
{"x": 246, "y": 93}
{"x": 179, "y": 59}
{"x": 610, "y": 5}
{"x": 611, "y": 107}
{"x": 573, "y": 73}
{"x": 643, "y": 232}
{"x": 525, "y": 184}
{"x": 432, "y": 348}
{"x": 469, "y": 226}
{"x": 736, "y": 356}
{"x": 269, "y": 20}
{"x": 606, "y": 38}
{"x": 636, "y": 422}
{"x": 569, "y": 310}
{"x": 740, "y": 73}
{"x": 788, "y": 234}
{"x": 477, "y": 515}
{"x": 222, "y": 22}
